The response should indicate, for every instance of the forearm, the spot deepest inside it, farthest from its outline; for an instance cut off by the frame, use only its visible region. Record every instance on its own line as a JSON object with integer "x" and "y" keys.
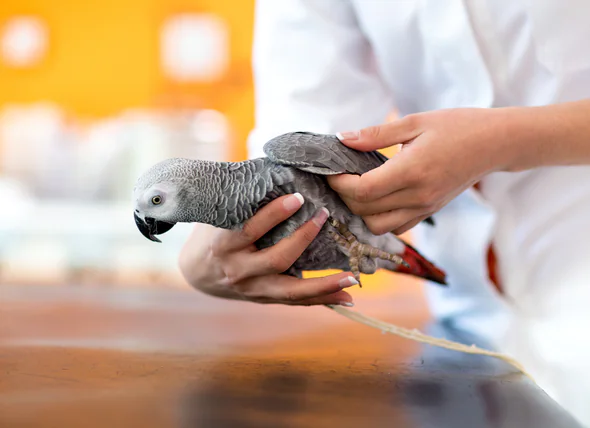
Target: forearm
{"x": 551, "y": 135}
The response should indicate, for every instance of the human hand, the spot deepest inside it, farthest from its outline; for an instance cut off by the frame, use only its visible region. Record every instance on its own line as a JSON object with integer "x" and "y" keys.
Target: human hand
{"x": 227, "y": 264}
{"x": 444, "y": 153}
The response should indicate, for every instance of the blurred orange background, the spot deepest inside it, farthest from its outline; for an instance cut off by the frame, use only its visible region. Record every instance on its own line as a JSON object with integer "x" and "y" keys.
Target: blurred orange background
{"x": 104, "y": 56}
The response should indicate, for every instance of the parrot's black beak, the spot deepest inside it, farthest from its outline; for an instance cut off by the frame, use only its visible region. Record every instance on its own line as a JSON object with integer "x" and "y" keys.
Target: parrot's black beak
{"x": 151, "y": 227}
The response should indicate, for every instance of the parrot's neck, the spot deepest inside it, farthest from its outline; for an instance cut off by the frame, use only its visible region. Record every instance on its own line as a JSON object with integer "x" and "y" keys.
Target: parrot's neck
{"x": 242, "y": 189}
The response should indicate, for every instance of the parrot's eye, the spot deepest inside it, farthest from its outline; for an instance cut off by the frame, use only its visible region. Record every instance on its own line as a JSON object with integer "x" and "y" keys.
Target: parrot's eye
{"x": 157, "y": 200}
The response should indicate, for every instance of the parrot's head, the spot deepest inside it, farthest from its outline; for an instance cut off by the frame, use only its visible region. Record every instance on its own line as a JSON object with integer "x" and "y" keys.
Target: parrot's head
{"x": 172, "y": 191}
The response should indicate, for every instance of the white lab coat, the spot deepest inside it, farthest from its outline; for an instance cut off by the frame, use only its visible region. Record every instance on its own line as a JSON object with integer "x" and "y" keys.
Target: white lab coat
{"x": 338, "y": 65}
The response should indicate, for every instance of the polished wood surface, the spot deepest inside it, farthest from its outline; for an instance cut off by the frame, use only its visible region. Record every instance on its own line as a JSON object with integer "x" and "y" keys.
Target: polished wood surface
{"x": 106, "y": 357}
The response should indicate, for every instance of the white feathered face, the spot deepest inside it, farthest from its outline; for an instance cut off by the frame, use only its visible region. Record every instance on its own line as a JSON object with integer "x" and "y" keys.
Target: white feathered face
{"x": 158, "y": 201}
{"x": 176, "y": 190}
{"x": 155, "y": 209}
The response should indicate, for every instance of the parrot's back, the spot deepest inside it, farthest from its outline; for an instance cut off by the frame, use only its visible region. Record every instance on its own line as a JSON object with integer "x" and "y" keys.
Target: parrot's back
{"x": 300, "y": 162}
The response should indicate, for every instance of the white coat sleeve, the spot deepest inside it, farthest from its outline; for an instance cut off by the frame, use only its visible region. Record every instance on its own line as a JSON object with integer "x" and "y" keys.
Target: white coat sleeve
{"x": 314, "y": 71}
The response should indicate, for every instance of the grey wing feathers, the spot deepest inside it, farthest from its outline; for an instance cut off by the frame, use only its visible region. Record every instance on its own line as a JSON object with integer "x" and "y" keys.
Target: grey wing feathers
{"x": 320, "y": 154}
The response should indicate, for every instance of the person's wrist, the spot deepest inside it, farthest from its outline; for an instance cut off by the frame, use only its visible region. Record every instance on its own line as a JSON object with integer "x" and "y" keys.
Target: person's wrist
{"x": 510, "y": 133}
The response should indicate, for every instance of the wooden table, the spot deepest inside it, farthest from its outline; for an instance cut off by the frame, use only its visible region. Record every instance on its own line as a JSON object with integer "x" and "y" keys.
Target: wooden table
{"x": 111, "y": 357}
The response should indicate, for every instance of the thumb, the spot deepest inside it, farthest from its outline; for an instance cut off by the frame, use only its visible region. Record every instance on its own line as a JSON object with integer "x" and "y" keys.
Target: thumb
{"x": 399, "y": 131}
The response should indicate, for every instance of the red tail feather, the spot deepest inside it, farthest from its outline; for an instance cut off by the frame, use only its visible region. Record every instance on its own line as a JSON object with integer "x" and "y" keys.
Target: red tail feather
{"x": 421, "y": 267}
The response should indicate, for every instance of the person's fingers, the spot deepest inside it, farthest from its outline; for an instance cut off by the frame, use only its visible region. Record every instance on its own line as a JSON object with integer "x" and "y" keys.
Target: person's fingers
{"x": 379, "y": 137}
{"x": 341, "y": 298}
{"x": 406, "y": 198}
{"x": 389, "y": 221}
{"x": 409, "y": 225}
{"x": 264, "y": 220}
{"x": 288, "y": 289}
{"x": 279, "y": 257}
{"x": 344, "y": 184}
{"x": 393, "y": 176}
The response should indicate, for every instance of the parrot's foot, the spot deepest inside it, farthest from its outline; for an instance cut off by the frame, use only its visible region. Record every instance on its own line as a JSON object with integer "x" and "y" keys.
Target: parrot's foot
{"x": 357, "y": 250}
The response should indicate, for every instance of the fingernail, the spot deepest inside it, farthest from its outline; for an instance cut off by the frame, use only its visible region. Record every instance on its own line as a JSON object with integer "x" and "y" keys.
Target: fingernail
{"x": 348, "y": 281}
{"x": 293, "y": 202}
{"x": 348, "y": 135}
{"x": 320, "y": 217}
{"x": 347, "y": 304}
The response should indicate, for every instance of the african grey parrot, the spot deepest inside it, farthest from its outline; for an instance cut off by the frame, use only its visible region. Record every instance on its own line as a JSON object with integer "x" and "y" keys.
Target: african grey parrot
{"x": 227, "y": 194}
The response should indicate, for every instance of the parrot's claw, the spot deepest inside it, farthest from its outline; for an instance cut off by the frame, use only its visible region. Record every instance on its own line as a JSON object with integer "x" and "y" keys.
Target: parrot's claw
{"x": 357, "y": 250}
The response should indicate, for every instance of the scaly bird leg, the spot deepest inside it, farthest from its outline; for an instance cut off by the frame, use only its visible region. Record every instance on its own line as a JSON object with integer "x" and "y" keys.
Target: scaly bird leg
{"x": 356, "y": 250}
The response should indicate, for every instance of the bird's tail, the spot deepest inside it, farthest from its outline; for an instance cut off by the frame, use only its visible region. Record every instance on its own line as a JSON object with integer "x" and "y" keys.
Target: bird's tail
{"x": 419, "y": 266}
